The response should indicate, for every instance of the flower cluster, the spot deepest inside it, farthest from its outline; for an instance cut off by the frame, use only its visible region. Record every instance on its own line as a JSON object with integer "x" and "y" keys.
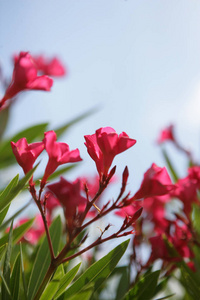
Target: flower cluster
{"x": 167, "y": 217}
{"x": 162, "y": 214}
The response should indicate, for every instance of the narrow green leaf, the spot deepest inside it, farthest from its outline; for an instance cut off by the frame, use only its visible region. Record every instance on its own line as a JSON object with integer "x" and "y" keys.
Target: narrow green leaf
{"x": 50, "y": 290}
{"x": 144, "y": 288}
{"x": 98, "y": 272}
{"x": 5, "y": 285}
{"x": 53, "y": 285}
{"x": 3, "y": 214}
{"x": 6, "y": 267}
{"x": 65, "y": 281}
{"x": 59, "y": 131}
{"x": 30, "y": 133}
{"x": 8, "y": 195}
{"x": 5, "y": 193}
{"x": 7, "y": 222}
{"x": 15, "y": 278}
{"x": 43, "y": 258}
{"x": 196, "y": 217}
{"x": 4, "y": 117}
{"x": 190, "y": 284}
{"x": 17, "y": 232}
{"x": 84, "y": 294}
{"x": 170, "y": 166}
{"x": 2, "y": 249}
{"x": 123, "y": 285}
{"x": 23, "y": 274}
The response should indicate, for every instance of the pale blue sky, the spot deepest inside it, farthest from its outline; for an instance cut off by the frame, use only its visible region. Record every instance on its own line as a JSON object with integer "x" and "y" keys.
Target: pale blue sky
{"x": 139, "y": 60}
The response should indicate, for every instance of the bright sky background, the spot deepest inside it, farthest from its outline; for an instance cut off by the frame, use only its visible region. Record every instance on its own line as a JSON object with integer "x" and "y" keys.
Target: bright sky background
{"x": 139, "y": 60}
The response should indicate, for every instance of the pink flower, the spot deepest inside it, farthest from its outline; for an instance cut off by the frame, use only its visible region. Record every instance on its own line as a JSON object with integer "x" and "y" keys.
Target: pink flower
{"x": 51, "y": 67}
{"x": 25, "y": 78}
{"x": 186, "y": 190}
{"x": 69, "y": 195}
{"x": 166, "y": 134}
{"x": 104, "y": 145}
{"x": 26, "y": 154}
{"x": 59, "y": 154}
{"x": 35, "y": 232}
{"x": 156, "y": 182}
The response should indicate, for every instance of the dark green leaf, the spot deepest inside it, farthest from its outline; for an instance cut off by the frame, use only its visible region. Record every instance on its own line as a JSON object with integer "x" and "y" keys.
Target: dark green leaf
{"x": 2, "y": 249}
{"x": 7, "y": 191}
{"x": 3, "y": 214}
{"x": 4, "y": 116}
{"x": 15, "y": 278}
{"x": 8, "y": 195}
{"x": 43, "y": 258}
{"x": 196, "y": 217}
{"x": 5, "y": 285}
{"x": 6, "y": 267}
{"x": 145, "y": 288}
{"x": 123, "y": 285}
{"x": 23, "y": 274}
{"x": 98, "y": 272}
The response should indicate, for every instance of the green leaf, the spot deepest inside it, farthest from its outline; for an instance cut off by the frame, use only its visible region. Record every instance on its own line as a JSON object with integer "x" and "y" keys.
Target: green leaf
{"x": 84, "y": 294}
{"x": 5, "y": 193}
{"x": 7, "y": 222}
{"x": 14, "y": 188}
{"x": 5, "y": 285}
{"x": 3, "y": 214}
{"x": 170, "y": 166}
{"x": 59, "y": 131}
{"x": 65, "y": 281}
{"x": 190, "y": 284}
{"x": 2, "y": 249}
{"x": 30, "y": 133}
{"x": 4, "y": 116}
{"x": 15, "y": 278}
{"x": 23, "y": 274}
{"x": 191, "y": 280}
{"x": 6, "y": 267}
{"x": 123, "y": 285}
{"x": 196, "y": 217}
{"x": 53, "y": 285}
{"x": 43, "y": 258}
{"x": 17, "y": 233}
{"x": 145, "y": 288}
{"x": 98, "y": 272}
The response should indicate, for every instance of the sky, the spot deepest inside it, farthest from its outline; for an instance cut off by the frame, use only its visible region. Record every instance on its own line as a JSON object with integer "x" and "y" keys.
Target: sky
{"x": 138, "y": 62}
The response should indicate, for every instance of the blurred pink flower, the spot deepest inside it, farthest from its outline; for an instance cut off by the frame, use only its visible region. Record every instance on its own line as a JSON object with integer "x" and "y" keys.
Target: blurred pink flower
{"x": 166, "y": 134}
{"x": 69, "y": 195}
{"x": 25, "y": 78}
{"x": 51, "y": 67}
{"x": 156, "y": 182}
